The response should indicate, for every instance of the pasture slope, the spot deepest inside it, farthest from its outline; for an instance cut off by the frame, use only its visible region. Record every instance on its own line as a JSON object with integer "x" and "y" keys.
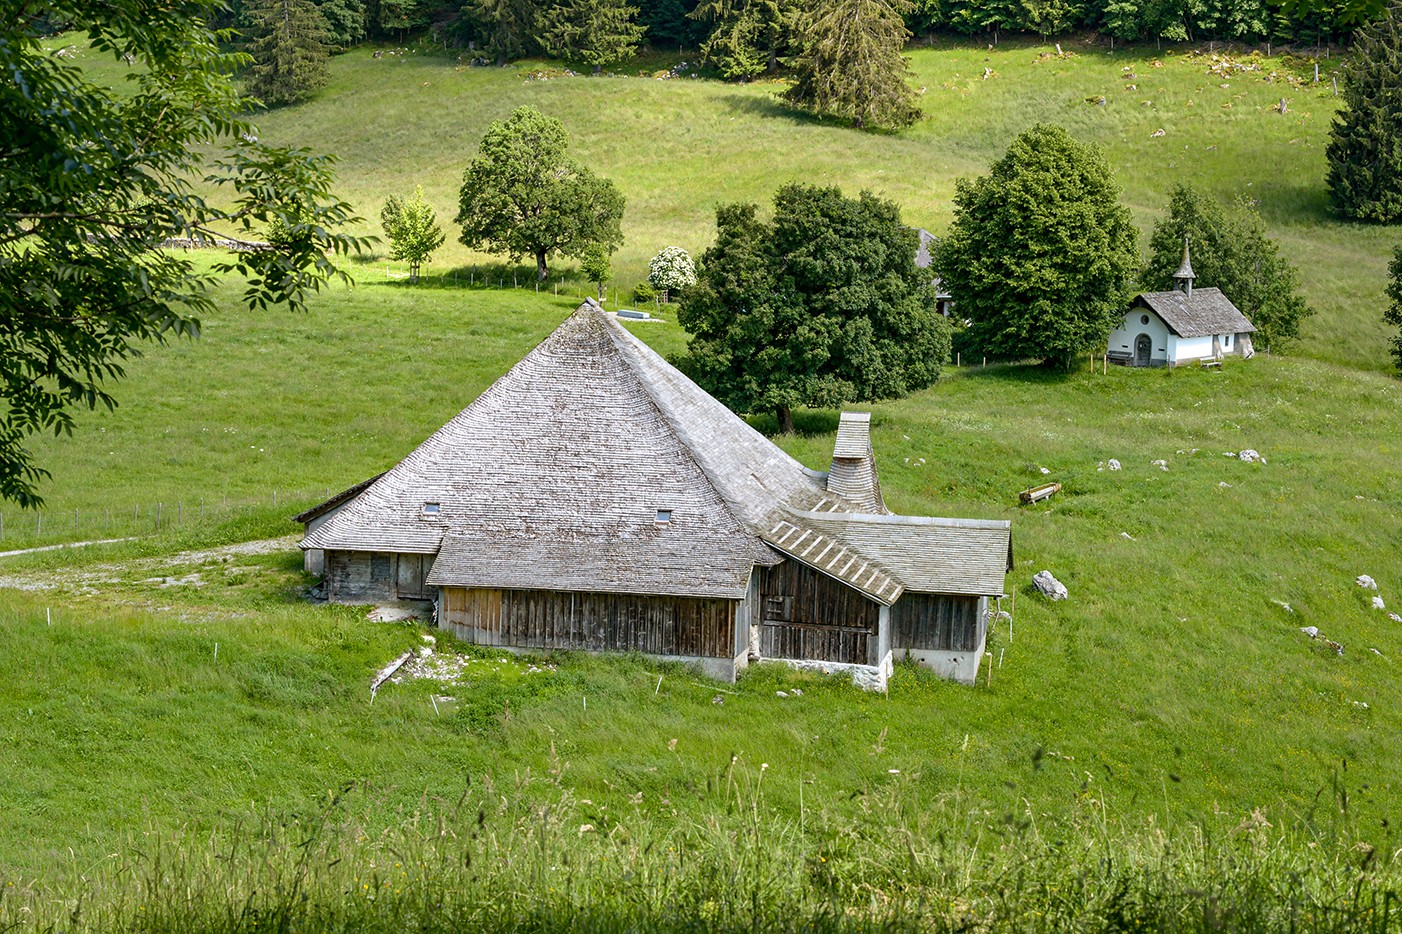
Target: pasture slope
{"x": 190, "y": 743}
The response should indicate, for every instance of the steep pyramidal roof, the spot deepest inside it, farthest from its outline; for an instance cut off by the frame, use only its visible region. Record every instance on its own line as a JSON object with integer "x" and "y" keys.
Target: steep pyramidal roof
{"x": 594, "y": 465}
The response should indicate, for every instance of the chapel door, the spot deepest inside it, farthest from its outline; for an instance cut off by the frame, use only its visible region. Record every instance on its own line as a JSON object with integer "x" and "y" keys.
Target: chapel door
{"x": 1143, "y": 346}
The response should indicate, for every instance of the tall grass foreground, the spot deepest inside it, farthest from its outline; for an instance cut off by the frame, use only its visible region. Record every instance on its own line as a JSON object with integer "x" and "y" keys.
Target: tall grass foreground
{"x": 535, "y": 857}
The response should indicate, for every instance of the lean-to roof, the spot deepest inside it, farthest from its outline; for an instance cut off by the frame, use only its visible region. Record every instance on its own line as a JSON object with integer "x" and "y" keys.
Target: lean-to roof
{"x": 1207, "y": 312}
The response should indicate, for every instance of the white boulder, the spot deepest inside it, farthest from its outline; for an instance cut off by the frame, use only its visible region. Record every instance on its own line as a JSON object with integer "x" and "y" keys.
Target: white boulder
{"x": 1049, "y": 585}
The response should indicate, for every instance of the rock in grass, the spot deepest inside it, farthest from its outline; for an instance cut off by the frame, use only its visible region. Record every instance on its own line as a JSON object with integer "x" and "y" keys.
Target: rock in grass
{"x": 1250, "y": 456}
{"x": 1049, "y": 585}
{"x": 1378, "y": 603}
{"x": 1311, "y": 631}
{"x": 1366, "y": 582}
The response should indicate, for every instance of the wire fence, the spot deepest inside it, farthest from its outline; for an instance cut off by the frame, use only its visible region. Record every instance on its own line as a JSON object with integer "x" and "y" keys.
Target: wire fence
{"x": 21, "y": 529}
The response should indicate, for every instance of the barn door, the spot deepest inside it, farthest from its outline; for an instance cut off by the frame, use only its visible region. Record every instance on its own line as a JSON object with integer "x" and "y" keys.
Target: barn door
{"x": 409, "y": 580}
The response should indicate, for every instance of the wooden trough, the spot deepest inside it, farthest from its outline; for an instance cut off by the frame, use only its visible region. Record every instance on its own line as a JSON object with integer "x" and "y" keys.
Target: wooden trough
{"x": 1038, "y": 493}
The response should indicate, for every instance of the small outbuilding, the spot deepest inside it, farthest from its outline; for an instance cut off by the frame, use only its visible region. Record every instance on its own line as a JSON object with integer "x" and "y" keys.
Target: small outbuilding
{"x": 1183, "y": 325}
{"x": 596, "y": 499}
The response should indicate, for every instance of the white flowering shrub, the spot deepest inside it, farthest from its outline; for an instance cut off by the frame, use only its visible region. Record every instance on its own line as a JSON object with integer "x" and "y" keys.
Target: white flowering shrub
{"x": 671, "y": 270}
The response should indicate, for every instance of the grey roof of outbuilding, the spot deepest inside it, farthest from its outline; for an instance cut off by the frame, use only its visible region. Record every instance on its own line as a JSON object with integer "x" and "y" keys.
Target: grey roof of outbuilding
{"x": 886, "y": 555}
{"x": 923, "y": 260}
{"x": 1207, "y": 312}
{"x": 552, "y": 480}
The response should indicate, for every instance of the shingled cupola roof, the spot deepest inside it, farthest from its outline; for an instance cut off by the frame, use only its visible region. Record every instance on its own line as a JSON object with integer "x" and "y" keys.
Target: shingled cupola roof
{"x": 1184, "y": 276}
{"x": 559, "y": 476}
{"x": 853, "y": 470}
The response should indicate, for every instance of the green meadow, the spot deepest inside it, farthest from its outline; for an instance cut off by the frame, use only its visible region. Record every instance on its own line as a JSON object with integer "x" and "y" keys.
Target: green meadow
{"x": 190, "y": 743}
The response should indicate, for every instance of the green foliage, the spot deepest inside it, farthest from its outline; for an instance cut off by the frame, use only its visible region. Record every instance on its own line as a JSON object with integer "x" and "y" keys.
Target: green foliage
{"x": 412, "y": 229}
{"x": 288, "y": 43}
{"x": 509, "y": 26}
{"x": 747, "y": 37}
{"x": 596, "y": 32}
{"x": 821, "y": 306}
{"x": 596, "y": 265}
{"x": 523, "y": 196}
{"x": 849, "y": 64}
{"x": 345, "y": 21}
{"x": 1041, "y": 257}
{"x": 91, "y": 183}
{"x": 1230, "y": 250}
{"x": 1393, "y": 314}
{"x": 1365, "y": 146}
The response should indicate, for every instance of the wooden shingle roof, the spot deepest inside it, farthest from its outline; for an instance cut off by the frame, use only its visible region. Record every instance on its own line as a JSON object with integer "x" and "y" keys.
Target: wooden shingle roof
{"x": 1207, "y": 312}
{"x": 557, "y": 476}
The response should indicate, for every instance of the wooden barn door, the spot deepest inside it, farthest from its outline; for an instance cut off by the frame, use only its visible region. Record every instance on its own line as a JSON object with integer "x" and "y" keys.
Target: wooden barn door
{"x": 409, "y": 578}
{"x": 808, "y": 615}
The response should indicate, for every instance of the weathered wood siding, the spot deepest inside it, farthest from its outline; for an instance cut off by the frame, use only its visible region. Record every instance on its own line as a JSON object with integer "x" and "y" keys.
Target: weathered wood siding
{"x": 806, "y": 614}
{"x": 595, "y": 622}
{"x": 938, "y": 622}
{"x": 376, "y": 576}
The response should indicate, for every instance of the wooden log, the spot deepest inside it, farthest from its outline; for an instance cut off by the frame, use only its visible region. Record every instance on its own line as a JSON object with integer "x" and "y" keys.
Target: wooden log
{"x": 386, "y": 672}
{"x": 1039, "y": 493}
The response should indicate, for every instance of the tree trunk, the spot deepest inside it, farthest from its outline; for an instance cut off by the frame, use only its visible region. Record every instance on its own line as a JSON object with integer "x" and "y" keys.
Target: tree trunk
{"x": 413, "y": 273}
{"x": 785, "y": 416}
{"x": 598, "y": 70}
{"x": 540, "y": 271}
{"x": 601, "y": 290}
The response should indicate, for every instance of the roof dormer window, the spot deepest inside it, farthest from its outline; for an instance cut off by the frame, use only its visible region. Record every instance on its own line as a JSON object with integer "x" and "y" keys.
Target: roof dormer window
{"x": 664, "y": 517}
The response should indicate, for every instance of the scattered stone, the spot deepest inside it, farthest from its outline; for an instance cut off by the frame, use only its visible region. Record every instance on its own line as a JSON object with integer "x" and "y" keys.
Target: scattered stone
{"x": 1113, "y": 464}
{"x": 1366, "y": 582}
{"x": 1127, "y": 535}
{"x": 1362, "y": 705}
{"x": 1376, "y": 652}
{"x": 398, "y": 613}
{"x": 781, "y": 693}
{"x": 1378, "y": 603}
{"x": 1161, "y": 464}
{"x": 1284, "y": 606}
{"x": 1049, "y": 585}
{"x": 1223, "y": 483}
{"x": 797, "y": 692}
{"x": 1250, "y": 456}
{"x": 1157, "y": 133}
{"x": 718, "y": 700}
{"x": 1311, "y": 631}
{"x": 1394, "y": 617}
{"x": 1044, "y": 470}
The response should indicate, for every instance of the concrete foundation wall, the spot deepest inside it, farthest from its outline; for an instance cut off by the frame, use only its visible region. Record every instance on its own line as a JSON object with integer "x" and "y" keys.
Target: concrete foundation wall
{"x": 718, "y": 669}
{"x": 956, "y": 666}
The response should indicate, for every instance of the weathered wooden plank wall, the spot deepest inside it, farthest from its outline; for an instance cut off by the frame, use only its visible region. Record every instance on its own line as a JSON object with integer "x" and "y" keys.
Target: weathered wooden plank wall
{"x": 372, "y": 577}
{"x": 806, "y": 614}
{"x": 596, "y": 622}
{"x": 936, "y": 621}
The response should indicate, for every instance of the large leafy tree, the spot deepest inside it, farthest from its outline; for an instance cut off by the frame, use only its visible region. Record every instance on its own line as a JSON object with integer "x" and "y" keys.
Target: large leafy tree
{"x": 289, "y": 44}
{"x": 1041, "y": 257}
{"x": 413, "y": 231}
{"x": 523, "y": 196}
{"x": 93, "y": 180}
{"x": 1393, "y": 314}
{"x": 820, "y": 306}
{"x": 1230, "y": 250}
{"x": 596, "y": 32}
{"x": 849, "y": 64}
{"x": 1365, "y": 145}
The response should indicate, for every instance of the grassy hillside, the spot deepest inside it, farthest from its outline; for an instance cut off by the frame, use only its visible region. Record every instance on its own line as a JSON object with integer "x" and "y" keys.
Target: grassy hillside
{"x": 1150, "y": 715}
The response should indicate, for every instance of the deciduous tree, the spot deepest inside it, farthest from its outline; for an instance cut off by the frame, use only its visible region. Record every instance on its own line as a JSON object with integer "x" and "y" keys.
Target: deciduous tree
{"x": 1365, "y": 145}
{"x": 1230, "y": 250}
{"x": 849, "y": 64}
{"x": 820, "y": 306}
{"x": 92, "y": 181}
{"x": 289, "y": 44}
{"x": 1041, "y": 257}
{"x": 671, "y": 272}
{"x": 523, "y": 196}
{"x": 413, "y": 231}
{"x": 596, "y": 265}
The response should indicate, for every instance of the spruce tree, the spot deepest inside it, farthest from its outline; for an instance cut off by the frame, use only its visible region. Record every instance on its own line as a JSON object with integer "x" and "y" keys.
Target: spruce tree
{"x": 1365, "y": 148}
{"x": 1393, "y": 314}
{"x": 747, "y": 36}
{"x": 850, "y": 65}
{"x": 596, "y": 32}
{"x": 509, "y": 26}
{"x": 287, "y": 40}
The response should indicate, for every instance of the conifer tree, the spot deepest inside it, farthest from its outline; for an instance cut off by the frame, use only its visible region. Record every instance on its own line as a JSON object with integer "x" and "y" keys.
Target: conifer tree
{"x": 287, "y": 40}
{"x": 597, "y": 32}
{"x": 850, "y": 65}
{"x": 748, "y": 36}
{"x": 1393, "y": 314}
{"x": 509, "y": 26}
{"x": 1365, "y": 146}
